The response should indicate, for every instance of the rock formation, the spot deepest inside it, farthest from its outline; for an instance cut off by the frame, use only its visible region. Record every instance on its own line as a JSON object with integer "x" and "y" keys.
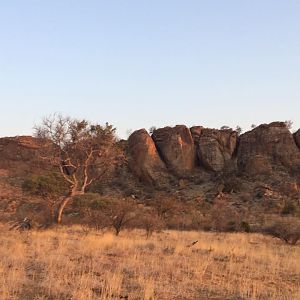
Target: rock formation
{"x": 297, "y": 138}
{"x": 266, "y": 148}
{"x": 19, "y": 152}
{"x": 144, "y": 160}
{"x": 214, "y": 147}
{"x": 176, "y": 148}
{"x": 179, "y": 150}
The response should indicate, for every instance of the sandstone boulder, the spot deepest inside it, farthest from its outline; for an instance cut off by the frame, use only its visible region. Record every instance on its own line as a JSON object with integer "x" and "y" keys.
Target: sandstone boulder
{"x": 266, "y": 147}
{"x": 176, "y": 147}
{"x": 214, "y": 147}
{"x": 144, "y": 159}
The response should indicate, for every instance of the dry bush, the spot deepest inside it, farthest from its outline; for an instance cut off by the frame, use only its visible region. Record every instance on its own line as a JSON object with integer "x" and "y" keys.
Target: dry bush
{"x": 232, "y": 184}
{"x": 224, "y": 217}
{"x": 106, "y": 212}
{"x": 287, "y": 229}
{"x": 149, "y": 221}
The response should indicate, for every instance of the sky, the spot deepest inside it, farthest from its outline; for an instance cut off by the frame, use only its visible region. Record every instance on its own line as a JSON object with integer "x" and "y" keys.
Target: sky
{"x": 141, "y": 63}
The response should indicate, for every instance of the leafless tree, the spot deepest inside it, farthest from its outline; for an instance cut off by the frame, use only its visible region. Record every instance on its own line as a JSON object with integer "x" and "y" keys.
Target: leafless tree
{"x": 121, "y": 214}
{"x": 81, "y": 151}
{"x": 150, "y": 222}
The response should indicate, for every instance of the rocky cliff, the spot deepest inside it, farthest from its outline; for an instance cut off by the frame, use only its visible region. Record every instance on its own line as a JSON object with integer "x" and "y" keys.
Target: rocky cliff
{"x": 179, "y": 150}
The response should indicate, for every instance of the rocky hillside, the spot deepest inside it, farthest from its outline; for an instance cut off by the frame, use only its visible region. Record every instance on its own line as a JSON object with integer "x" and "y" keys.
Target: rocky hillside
{"x": 206, "y": 170}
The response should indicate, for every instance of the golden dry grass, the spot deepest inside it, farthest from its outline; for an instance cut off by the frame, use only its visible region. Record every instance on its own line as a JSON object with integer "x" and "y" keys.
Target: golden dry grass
{"x": 65, "y": 263}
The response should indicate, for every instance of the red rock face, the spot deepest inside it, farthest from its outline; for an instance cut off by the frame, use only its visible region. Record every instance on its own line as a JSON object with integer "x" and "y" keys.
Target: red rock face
{"x": 267, "y": 146}
{"x": 19, "y": 152}
{"x": 176, "y": 147}
{"x": 144, "y": 159}
{"x": 214, "y": 147}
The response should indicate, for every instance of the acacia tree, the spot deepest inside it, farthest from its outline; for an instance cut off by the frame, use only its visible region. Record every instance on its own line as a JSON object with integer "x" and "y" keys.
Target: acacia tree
{"x": 81, "y": 151}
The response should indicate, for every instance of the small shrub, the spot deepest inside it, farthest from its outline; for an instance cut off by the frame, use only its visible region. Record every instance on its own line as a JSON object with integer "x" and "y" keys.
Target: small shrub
{"x": 232, "y": 185}
{"x": 231, "y": 226}
{"x": 245, "y": 226}
{"x": 286, "y": 229}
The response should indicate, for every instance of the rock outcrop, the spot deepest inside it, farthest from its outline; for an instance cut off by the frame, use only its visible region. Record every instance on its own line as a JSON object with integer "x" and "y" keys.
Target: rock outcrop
{"x": 266, "y": 148}
{"x": 176, "y": 147}
{"x": 181, "y": 151}
{"x": 19, "y": 152}
{"x": 297, "y": 138}
{"x": 214, "y": 148}
{"x": 144, "y": 159}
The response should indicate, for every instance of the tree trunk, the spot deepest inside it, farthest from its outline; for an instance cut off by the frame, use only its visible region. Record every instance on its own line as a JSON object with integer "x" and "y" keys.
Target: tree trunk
{"x": 61, "y": 209}
{"x": 74, "y": 192}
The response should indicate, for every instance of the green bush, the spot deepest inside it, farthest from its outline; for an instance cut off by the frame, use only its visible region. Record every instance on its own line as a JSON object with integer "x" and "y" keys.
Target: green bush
{"x": 44, "y": 185}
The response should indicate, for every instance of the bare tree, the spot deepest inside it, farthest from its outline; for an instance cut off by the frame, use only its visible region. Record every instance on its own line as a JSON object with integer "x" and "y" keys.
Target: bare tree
{"x": 82, "y": 152}
{"x": 150, "y": 222}
{"x": 121, "y": 214}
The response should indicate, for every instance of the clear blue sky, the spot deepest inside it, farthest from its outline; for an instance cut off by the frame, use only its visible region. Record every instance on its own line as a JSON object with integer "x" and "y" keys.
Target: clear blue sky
{"x": 141, "y": 63}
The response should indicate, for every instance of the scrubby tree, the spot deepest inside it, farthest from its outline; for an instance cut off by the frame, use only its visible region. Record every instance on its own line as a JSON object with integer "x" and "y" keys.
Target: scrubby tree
{"x": 148, "y": 220}
{"x": 82, "y": 152}
{"x": 103, "y": 212}
{"x": 152, "y": 129}
{"x": 238, "y": 129}
{"x": 120, "y": 214}
{"x": 225, "y": 127}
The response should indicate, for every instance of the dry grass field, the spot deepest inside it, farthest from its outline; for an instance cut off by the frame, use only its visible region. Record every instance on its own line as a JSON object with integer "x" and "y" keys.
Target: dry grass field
{"x": 71, "y": 263}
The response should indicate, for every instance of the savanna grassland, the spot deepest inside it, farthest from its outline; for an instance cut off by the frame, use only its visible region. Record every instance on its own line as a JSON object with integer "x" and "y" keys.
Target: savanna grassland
{"x": 75, "y": 263}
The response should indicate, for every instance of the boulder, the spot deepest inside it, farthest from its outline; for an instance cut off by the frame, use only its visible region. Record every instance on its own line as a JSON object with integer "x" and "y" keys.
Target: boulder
{"x": 176, "y": 148}
{"x": 214, "y": 147}
{"x": 144, "y": 159}
{"x": 267, "y": 147}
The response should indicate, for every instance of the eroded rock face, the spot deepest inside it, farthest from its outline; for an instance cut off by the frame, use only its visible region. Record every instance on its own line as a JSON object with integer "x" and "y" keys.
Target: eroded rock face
{"x": 297, "y": 138}
{"x": 214, "y": 147}
{"x": 176, "y": 147}
{"x": 19, "y": 152}
{"x": 266, "y": 147}
{"x": 144, "y": 158}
